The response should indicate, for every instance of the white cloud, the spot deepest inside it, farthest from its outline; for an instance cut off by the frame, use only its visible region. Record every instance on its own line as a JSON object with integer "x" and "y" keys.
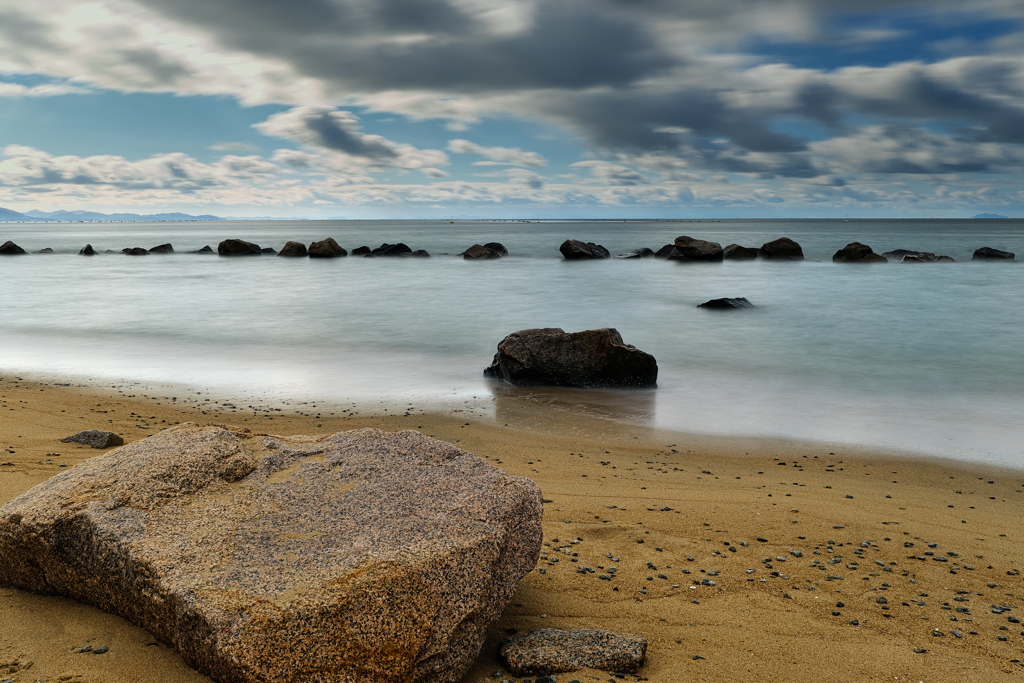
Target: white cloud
{"x": 499, "y": 155}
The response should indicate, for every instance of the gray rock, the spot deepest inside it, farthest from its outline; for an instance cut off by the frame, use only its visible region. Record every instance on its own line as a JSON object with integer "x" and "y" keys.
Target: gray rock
{"x": 727, "y": 304}
{"x": 983, "y": 254}
{"x": 783, "y": 249}
{"x": 162, "y": 249}
{"x": 293, "y": 249}
{"x": 135, "y": 251}
{"x": 9, "y": 248}
{"x": 386, "y": 249}
{"x": 363, "y": 556}
{"x": 46, "y": 250}
{"x": 855, "y": 252}
{"x": 233, "y": 247}
{"x": 592, "y": 358}
{"x": 87, "y": 250}
{"x": 95, "y": 437}
{"x": 327, "y": 248}
{"x": 479, "y": 252}
{"x": 735, "y": 251}
{"x": 205, "y": 250}
{"x": 575, "y": 250}
{"x": 550, "y": 650}
{"x": 692, "y": 249}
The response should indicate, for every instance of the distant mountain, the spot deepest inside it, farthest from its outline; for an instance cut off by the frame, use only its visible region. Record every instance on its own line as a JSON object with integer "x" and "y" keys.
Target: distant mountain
{"x": 36, "y": 214}
{"x": 8, "y": 215}
{"x": 989, "y": 215}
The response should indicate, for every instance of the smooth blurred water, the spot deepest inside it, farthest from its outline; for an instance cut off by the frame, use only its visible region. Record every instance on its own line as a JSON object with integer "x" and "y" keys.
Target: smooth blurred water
{"x": 925, "y": 358}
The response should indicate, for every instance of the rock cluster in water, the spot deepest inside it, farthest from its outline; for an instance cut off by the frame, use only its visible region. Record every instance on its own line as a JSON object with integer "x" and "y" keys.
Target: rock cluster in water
{"x": 362, "y": 556}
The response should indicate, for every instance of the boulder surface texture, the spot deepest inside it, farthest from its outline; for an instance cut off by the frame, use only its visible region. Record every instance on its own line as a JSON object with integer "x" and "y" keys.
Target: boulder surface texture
{"x": 592, "y": 358}
{"x": 575, "y": 250}
{"x": 552, "y": 650}
{"x": 692, "y": 249}
{"x": 855, "y": 252}
{"x": 96, "y": 438}
{"x": 783, "y": 249}
{"x": 357, "y": 557}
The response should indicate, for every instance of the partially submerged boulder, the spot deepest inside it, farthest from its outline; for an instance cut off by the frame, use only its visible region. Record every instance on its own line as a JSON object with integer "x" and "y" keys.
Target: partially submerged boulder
{"x": 735, "y": 251}
{"x": 9, "y": 248}
{"x": 364, "y": 556}
{"x": 233, "y": 247}
{"x": 162, "y": 249}
{"x": 497, "y": 247}
{"x": 361, "y": 251}
{"x": 665, "y": 251}
{"x": 727, "y": 304}
{"x": 642, "y": 252}
{"x": 97, "y": 438}
{"x": 783, "y": 249}
{"x": 983, "y": 254}
{"x": 693, "y": 249}
{"x": 205, "y": 250}
{"x": 327, "y": 248}
{"x": 855, "y": 252}
{"x": 911, "y": 256}
{"x": 135, "y": 251}
{"x": 87, "y": 250}
{"x": 551, "y": 650}
{"x": 575, "y": 250}
{"x": 293, "y": 249}
{"x": 45, "y": 250}
{"x": 386, "y": 249}
{"x": 592, "y": 358}
{"x": 479, "y": 252}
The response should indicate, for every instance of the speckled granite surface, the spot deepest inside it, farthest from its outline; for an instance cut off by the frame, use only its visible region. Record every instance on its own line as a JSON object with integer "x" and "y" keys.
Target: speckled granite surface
{"x": 552, "y": 650}
{"x": 362, "y": 556}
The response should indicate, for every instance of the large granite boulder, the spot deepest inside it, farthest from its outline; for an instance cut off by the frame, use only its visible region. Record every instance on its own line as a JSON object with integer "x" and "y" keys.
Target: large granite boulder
{"x": 735, "y": 251}
{"x": 479, "y": 252}
{"x": 855, "y": 252}
{"x": 87, "y": 250}
{"x": 327, "y": 248}
{"x": 983, "y": 254}
{"x": 9, "y": 248}
{"x": 575, "y": 250}
{"x": 293, "y": 249}
{"x": 233, "y": 247}
{"x": 783, "y": 249}
{"x": 357, "y": 557}
{"x": 162, "y": 249}
{"x": 592, "y": 358}
{"x": 692, "y": 249}
{"x": 552, "y": 650}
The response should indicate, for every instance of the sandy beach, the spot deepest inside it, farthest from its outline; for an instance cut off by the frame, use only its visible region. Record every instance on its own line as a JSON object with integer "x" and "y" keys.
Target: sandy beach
{"x": 739, "y": 559}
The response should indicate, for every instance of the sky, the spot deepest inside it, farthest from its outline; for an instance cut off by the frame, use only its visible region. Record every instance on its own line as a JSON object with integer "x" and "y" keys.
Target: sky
{"x": 514, "y": 108}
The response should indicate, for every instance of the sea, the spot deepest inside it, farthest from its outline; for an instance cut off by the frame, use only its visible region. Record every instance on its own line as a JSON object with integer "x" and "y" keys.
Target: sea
{"x": 925, "y": 359}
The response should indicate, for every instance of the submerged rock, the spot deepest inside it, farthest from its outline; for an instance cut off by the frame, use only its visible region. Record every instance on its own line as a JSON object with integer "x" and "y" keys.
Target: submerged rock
{"x": 550, "y": 650}
{"x": 205, "y": 250}
{"x": 911, "y": 256}
{"x": 95, "y": 437}
{"x": 983, "y": 254}
{"x": 135, "y": 251}
{"x": 479, "y": 252}
{"x": 9, "y": 248}
{"x": 364, "y": 556}
{"x": 727, "y": 304}
{"x": 162, "y": 249}
{"x": 575, "y": 250}
{"x": 497, "y": 247}
{"x": 592, "y": 358}
{"x": 87, "y": 250}
{"x": 361, "y": 251}
{"x": 735, "y": 251}
{"x": 293, "y": 249}
{"x": 643, "y": 252}
{"x": 233, "y": 247}
{"x": 783, "y": 249}
{"x": 268, "y": 251}
{"x": 327, "y": 248}
{"x": 420, "y": 253}
{"x": 665, "y": 251}
{"x": 693, "y": 249}
{"x": 46, "y": 250}
{"x": 855, "y": 252}
{"x": 386, "y": 249}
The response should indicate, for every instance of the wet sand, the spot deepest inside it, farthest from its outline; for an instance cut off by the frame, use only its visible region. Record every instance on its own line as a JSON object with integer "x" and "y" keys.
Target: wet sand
{"x": 739, "y": 559}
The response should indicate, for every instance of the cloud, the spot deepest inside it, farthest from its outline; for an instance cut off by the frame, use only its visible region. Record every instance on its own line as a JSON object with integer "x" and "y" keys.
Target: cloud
{"x": 499, "y": 155}
{"x": 234, "y": 147}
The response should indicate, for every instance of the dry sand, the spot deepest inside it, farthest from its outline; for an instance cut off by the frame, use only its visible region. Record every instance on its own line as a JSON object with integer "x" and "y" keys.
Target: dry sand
{"x": 731, "y": 556}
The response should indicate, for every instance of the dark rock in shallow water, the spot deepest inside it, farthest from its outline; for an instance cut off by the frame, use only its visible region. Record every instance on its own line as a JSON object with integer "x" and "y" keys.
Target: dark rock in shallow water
{"x": 162, "y": 249}
{"x": 574, "y": 250}
{"x": 293, "y": 249}
{"x": 911, "y": 256}
{"x": 205, "y": 250}
{"x": 233, "y": 247}
{"x": 643, "y": 252}
{"x": 87, "y": 250}
{"x": 735, "y": 251}
{"x": 783, "y": 249}
{"x": 359, "y": 557}
{"x": 9, "y": 248}
{"x": 420, "y": 253}
{"x": 479, "y": 252}
{"x": 592, "y": 358}
{"x": 550, "y": 650}
{"x": 135, "y": 251}
{"x": 327, "y": 248}
{"x": 95, "y": 438}
{"x": 268, "y": 251}
{"x": 386, "y": 249}
{"x": 498, "y": 247}
{"x": 855, "y": 252}
{"x": 983, "y": 254}
{"x": 665, "y": 251}
{"x": 361, "y": 251}
{"x": 47, "y": 250}
{"x": 727, "y": 304}
{"x": 692, "y": 249}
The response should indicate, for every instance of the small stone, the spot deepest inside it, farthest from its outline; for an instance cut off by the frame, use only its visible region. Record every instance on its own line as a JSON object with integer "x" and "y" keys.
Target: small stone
{"x": 95, "y": 438}
{"x": 100, "y": 649}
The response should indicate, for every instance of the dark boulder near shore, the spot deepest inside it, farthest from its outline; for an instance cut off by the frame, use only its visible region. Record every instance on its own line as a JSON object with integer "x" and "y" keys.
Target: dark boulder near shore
{"x": 911, "y": 256}
{"x": 693, "y": 249}
{"x": 235, "y": 247}
{"x": 363, "y": 556}
{"x": 575, "y": 250}
{"x": 855, "y": 252}
{"x": 9, "y": 248}
{"x": 549, "y": 651}
{"x": 327, "y": 248}
{"x": 735, "y": 251}
{"x": 643, "y": 252}
{"x": 665, "y": 251}
{"x": 87, "y": 250}
{"x": 727, "y": 304}
{"x": 399, "y": 249}
{"x": 782, "y": 249}
{"x": 46, "y": 250}
{"x": 592, "y": 358}
{"x": 479, "y": 252}
{"x": 497, "y": 247}
{"x": 205, "y": 250}
{"x": 162, "y": 249}
{"x": 361, "y": 251}
{"x": 135, "y": 251}
{"x": 984, "y": 254}
{"x": 293, "y": 249}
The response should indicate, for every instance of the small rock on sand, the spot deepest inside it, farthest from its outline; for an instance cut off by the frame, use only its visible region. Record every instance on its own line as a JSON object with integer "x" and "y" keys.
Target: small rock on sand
{"x": 551, "y": 650}
{"x": 96, "y": 438}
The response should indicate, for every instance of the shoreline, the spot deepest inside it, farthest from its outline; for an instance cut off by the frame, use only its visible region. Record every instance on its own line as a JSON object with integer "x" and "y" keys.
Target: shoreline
{"x": 609, "y": 484}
